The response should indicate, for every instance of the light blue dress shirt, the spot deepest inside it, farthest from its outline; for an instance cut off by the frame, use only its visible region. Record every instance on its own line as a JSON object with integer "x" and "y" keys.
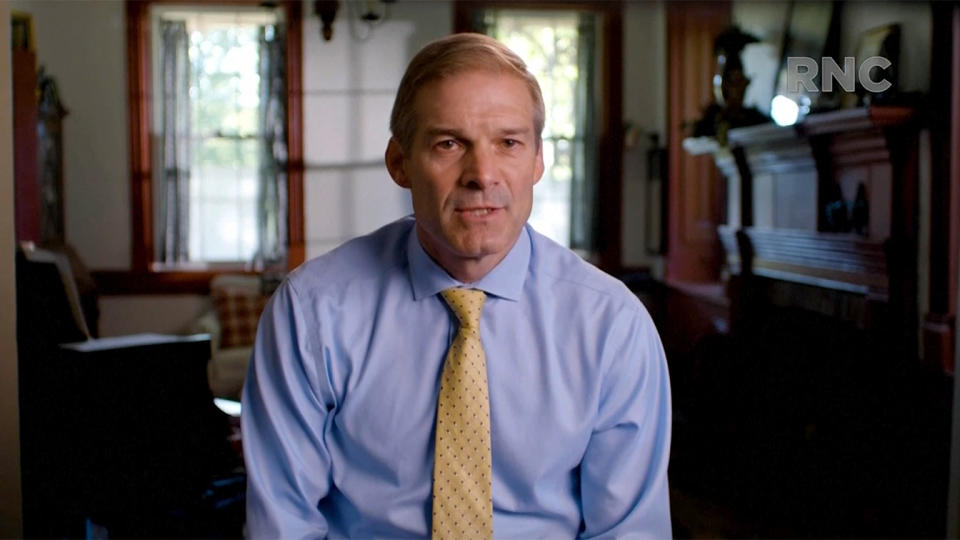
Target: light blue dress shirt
{"x": 340, "y": 400}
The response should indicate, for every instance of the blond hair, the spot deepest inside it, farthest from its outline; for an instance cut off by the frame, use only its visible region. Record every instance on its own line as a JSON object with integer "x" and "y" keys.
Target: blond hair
{"x": 449, "y": 56}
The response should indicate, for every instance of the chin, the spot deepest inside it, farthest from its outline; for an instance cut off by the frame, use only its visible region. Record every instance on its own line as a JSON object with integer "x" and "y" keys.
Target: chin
{"x": 469, "y": 246}
{"x": 472, "y": 250}
{"x": 494, "y": 240}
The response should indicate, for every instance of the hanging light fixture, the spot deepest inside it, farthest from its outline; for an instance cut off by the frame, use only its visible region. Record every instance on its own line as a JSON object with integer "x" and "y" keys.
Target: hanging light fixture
{"x": 327, "y": 11}
{"x": 369, "y": 13}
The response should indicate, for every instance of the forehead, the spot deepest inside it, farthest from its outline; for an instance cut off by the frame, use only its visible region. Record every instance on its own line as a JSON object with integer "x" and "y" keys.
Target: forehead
{"x": 473, "y": 93}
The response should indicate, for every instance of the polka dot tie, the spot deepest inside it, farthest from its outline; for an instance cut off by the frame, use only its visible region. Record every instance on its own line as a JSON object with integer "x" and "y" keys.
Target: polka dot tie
{"x": 462, "y": 502}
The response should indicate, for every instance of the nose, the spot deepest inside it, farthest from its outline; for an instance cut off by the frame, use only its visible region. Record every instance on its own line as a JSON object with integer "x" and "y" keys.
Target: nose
{"x": 480, "y": 168}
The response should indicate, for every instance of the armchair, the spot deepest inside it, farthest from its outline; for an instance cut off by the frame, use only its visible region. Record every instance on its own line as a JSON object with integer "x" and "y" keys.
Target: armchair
{"x": 238, "y": 300}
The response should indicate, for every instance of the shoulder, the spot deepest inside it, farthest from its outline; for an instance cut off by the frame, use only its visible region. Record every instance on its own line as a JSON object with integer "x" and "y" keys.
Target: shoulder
{"x": 565, "y": 273}
{"x": 373, "y": 257}
{"x": 598, "y": 312}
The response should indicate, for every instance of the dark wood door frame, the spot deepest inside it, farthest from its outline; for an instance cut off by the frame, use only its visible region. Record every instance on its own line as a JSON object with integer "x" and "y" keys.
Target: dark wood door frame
{"x": 939, "y": 324}
{"x": 694, "y": 188}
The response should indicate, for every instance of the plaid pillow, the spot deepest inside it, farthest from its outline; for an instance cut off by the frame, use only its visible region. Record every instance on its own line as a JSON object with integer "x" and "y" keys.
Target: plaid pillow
{"x": 239, "y": 311}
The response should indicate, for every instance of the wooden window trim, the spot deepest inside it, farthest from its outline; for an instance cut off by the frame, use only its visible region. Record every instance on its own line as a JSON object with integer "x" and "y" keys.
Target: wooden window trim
{"x": 123, "y": 282}
{"x": 142, "y": 278}
{"x": 610, "y": 147}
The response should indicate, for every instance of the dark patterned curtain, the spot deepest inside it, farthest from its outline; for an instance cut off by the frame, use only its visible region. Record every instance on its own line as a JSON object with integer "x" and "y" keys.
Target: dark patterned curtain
{"x": 174, "y": 211}
{"x": 584, "y": 221}
{"x": 272, "y": 200}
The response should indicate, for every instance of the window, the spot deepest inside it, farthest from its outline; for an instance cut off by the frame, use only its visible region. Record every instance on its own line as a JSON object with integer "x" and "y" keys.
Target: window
{"x": 216, "y": 141}
{"x": 213, "y": 161}
{"x": 585, "y": 163}
{"x": 558, "y": 47}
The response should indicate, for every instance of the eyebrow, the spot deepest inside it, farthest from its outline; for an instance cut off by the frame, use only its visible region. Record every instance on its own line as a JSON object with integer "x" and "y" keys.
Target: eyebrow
{"x": 438, "y": 131}
{"x": 453, "y": 132}
{"x": 517, "y": 131}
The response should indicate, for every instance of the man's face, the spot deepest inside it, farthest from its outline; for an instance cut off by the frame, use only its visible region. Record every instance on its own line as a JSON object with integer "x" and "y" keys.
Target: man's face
{"x": 471, "y": 168}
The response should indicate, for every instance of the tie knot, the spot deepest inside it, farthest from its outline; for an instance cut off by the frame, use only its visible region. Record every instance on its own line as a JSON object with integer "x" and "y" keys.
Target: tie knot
{"x": 467, "y": 304}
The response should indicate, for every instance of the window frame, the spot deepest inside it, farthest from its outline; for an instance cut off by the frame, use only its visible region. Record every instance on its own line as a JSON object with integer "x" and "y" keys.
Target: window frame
{"x": 609, "y": 125}
{"x": 142, "y": 276}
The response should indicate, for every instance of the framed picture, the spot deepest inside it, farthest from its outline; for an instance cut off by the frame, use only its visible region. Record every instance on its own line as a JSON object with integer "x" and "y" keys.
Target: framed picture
{"x": 884, "y": 42}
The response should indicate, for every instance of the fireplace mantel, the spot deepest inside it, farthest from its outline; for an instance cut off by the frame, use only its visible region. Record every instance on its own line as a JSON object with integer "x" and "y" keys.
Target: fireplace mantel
{"x": 785, "y": 229}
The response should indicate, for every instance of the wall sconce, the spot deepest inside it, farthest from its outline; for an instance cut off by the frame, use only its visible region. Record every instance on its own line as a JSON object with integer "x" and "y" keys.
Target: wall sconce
{"x": 369, "y": 12}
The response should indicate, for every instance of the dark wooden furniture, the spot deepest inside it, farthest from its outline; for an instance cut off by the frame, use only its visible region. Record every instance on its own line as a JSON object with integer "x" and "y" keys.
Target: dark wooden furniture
{"x": 943, "y": 119}
{"x": 800, "y": 391}
{"x": 781, "y": 242}
{"x": 122, "y": 432}
{"x": 144, "y": 437}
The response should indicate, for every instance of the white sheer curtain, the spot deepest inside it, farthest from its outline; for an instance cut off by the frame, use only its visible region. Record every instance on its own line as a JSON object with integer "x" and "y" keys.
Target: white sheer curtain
{"x": 584, "y": 210}
{"x": 222, "y": 162}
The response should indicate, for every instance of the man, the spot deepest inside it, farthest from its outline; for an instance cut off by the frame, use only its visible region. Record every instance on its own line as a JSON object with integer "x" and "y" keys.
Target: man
{"x": 456, "y": 374}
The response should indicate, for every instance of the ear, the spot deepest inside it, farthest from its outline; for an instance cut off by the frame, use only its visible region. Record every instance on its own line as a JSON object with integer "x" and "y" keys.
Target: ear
{"x": 394, "y": 159}
{"x": 538, "y": 168}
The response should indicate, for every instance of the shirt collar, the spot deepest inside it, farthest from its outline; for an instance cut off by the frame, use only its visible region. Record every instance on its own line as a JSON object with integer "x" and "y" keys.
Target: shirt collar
{"x": 428, "y": 278}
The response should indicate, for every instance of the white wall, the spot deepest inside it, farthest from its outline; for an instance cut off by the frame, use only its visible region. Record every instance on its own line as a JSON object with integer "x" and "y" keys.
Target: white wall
{"x": 349, "y": 86}
{"x": 644, "y": 107}
{"x": 82, "y": 45}
{"x": 10, "y": 501}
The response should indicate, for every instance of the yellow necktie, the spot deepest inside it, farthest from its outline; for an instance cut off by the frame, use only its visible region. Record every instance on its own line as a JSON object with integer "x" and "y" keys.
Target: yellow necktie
{"x": 462, "y": 501}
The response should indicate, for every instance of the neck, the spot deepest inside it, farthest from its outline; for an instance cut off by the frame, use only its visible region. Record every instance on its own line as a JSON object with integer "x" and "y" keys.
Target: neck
{"x": 463, "y": 269}
{"x": 471, "y": 270}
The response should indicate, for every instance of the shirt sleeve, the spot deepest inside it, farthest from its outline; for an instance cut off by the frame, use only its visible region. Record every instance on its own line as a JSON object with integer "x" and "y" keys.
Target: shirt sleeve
{"x": 285, "y": 412}
{"x": 623, "y": 475}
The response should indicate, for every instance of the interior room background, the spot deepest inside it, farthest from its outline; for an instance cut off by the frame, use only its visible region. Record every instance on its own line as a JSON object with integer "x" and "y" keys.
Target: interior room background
{"x": 348, "y": 90}
{"x": 348, "y": 87}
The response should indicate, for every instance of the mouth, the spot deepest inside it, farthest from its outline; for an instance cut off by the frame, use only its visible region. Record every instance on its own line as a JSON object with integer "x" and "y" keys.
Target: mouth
{"x": 478, "y": 211}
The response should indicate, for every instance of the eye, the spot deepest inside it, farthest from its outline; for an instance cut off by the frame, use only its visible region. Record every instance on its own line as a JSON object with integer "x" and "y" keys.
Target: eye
{"x": 511, "y": 143}
{"x": 447, "y": 144}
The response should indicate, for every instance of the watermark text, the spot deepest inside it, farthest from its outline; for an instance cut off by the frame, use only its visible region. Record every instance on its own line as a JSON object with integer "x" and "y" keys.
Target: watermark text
{"x": 802, "y": 70}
